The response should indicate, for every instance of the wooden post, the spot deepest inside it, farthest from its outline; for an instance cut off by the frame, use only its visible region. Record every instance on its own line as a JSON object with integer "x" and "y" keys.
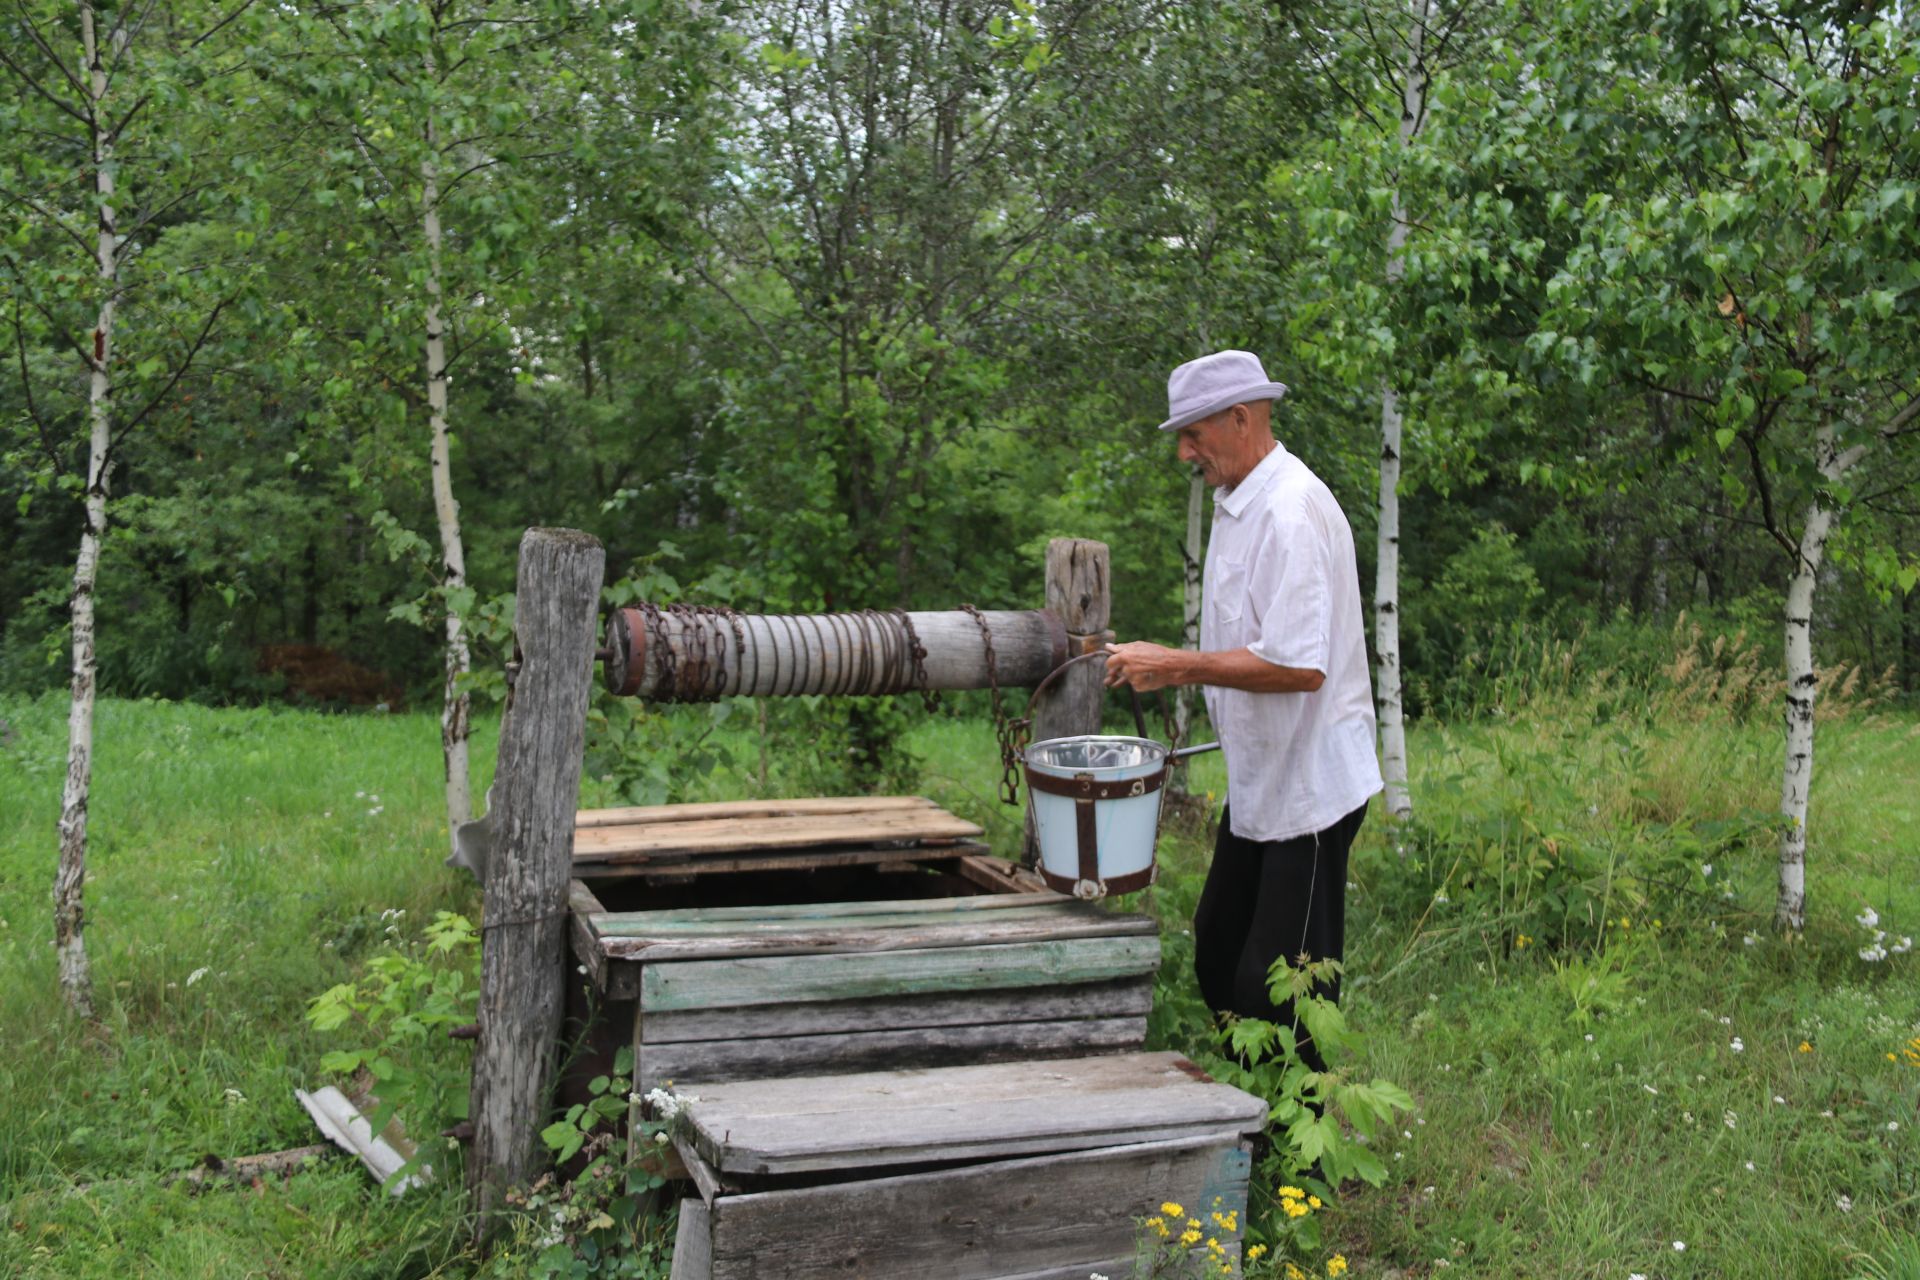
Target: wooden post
{"x": 536, "y": 791}
{"x": 1078, "y": 574}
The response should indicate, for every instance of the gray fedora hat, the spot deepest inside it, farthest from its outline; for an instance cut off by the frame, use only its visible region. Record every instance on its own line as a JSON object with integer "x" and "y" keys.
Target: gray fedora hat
{"x": 1201, "y": 388}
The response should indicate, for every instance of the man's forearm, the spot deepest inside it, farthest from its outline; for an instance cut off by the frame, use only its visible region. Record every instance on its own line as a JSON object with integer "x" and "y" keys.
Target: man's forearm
{"x": 1151, "y": 666}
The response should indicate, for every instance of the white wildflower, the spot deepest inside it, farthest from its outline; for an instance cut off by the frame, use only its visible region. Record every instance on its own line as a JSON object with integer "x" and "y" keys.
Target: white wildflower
{"x": 1650, "y": 1089}
{"x": 1439, "y": 898}
{"x": 1868, "y": 918}
{"x": 1893, "y": 1126}
{"x": 235, "y": 1097}
{"x": 1751, "y": 940}
{"x": 1706, "y": 868}
{"x": 1779, "y": 1101}
{"x": 1737, "y": 1046}
{"x": 1679, "y": 1246}
{"x": 1749, "y": 1166}
{"x": 1845, "y": 1203}
{"x": 1725, "y": 1021}
{"x": 1903, "y": 946}
{"x": 1729, "y": 1119}
{"x": 198, "y": 974}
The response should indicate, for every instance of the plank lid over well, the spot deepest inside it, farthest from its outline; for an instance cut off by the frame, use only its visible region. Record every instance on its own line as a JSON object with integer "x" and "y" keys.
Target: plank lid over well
{"x": 888, "y": 1118}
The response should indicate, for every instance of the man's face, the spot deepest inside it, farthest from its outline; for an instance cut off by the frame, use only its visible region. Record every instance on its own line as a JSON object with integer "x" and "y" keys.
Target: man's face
{"x": 1213, "y": 447}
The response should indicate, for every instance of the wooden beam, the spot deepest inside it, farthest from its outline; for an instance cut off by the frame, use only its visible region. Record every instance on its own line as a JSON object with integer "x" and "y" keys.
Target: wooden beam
{"x": 713, "y": 655}
{"x": 536, "y": 792}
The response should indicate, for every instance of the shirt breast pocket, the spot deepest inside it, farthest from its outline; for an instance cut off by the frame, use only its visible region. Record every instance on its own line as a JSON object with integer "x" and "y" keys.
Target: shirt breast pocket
{"x": 1227, "y": 594}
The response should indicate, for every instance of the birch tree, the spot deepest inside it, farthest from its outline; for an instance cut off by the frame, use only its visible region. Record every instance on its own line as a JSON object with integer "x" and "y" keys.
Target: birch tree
{"x": 441, "y": 117}
{"x": 1386, "y": 590}
{"x": 96, "y": 171}
{"x": 1362, "y": 316}
{"x": 1757, "y": 270}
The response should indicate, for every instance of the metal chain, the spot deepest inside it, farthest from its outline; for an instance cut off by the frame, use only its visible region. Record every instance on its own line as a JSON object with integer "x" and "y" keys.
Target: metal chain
{"x": 918, "y": 652}
{"x": 1008, "y": 731}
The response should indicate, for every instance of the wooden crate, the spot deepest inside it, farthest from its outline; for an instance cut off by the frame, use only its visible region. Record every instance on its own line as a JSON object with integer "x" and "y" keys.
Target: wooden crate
{"x": 732, "y": 993}
{"x": 1027, "y": 1170}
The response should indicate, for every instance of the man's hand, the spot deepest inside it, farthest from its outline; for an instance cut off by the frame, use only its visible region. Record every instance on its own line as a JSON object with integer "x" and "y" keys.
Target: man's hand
{"x": 1145, "y": 665}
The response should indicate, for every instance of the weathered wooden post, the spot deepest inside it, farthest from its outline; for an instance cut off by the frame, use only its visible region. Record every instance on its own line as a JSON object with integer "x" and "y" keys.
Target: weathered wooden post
{"x": 535, "y": 794}
{"x": 1079, "y": 595}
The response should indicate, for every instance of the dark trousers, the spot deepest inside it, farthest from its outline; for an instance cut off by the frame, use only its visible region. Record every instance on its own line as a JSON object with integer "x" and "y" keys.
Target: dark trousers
{"x": 1265, "y": 899}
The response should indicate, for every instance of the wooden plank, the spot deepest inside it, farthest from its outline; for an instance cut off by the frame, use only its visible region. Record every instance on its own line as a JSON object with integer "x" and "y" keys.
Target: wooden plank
{"x": 725, "y": 835}
{"x": 885, "y": 933}
{"x": 1121, "y": 998}
{"x": 872, "y": 1119}
{"x": 996, "y": 875}
{"x": 697, "y": 1064}
{"x": 801, "y": 859}
{"x": 582, "y": 906}
{"x": 693, "y": 1242}
{"x": 654, "y": 814}
{"x": 719, "y": 984}
{"x": 705, "y": 1180}
{"x": 821, "y": 910}
{"x": 827, "y": 917}
{"x": 1056, "y": 1215}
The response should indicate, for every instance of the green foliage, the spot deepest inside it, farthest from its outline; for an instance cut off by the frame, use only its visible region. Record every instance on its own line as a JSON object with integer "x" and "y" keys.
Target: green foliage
{"x": 607, "y": 1219}
{"x": 1321, "y": 1120}
{"x": 400, "y": 1012}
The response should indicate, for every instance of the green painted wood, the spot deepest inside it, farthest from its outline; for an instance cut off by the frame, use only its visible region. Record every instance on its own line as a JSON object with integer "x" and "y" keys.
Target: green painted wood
{"x": 816, "y": 911}
{"x": 646, "y": 924}
{"x": 721, "y": 984}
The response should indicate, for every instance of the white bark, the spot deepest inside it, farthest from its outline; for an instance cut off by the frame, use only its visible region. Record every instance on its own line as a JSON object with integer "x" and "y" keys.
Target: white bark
{"x": 1386, "y": 592}
{"x": 455, "y": 726}
{"x": 1192, "y": 553}
{"x": 1803, "y": 684}
{"x": 69, "y": 885}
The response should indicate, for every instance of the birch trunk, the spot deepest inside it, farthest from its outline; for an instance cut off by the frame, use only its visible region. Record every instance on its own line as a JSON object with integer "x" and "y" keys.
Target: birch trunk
{"x": 1386, "y": 591}
{"x": 455, "y": 726}
{"x": 69, "y": 885}
{"x": 1192, "y": 553}
{"x": 1803, "y": 684}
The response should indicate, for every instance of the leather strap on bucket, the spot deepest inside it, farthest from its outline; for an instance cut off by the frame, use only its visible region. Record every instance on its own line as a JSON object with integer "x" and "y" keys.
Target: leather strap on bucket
{"x": 1082, "y": 786}
{"x": 1087, "y": 835}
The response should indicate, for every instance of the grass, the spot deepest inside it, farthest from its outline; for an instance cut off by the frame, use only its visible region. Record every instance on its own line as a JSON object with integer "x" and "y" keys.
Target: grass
{"x": 231, "y": 844}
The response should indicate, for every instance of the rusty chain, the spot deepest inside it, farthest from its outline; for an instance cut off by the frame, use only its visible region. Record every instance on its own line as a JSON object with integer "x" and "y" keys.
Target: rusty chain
{"x": 1009, "y": 732}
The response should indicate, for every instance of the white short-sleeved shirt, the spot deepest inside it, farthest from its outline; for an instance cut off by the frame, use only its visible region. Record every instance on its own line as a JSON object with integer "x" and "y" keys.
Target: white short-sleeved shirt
{"x": 1281, "y": 580}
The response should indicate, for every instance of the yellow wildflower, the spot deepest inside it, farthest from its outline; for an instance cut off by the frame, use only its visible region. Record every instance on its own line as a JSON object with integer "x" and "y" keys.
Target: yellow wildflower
{"x": 1805, "y": 1047}
{"x": 1294, "y": 1209}
{"x": 1173, "y": 1210}
{"x": 1214, "y": 1246}
{"x": 1337, "y": 1265}
{"x": 1190, "y": 1238}
{"x": 1292, "y": 1193}
{"x": 1314, "y": 1201}
{"x": 1295, "y": 1273}
{"x": 1254, "y": 1252}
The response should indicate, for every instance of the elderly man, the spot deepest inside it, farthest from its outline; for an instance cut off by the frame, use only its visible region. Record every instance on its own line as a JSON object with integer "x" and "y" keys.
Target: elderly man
{"x": 1283, "y": 658}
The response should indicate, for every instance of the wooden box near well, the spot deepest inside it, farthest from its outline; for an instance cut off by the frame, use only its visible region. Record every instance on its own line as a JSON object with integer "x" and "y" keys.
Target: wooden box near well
{"x": 1016, "y": 1171}
{"x": 762, "y": 939}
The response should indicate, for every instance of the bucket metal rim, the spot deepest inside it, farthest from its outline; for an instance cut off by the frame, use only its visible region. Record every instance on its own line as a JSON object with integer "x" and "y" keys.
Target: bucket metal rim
{"x": 1158, "y": 751}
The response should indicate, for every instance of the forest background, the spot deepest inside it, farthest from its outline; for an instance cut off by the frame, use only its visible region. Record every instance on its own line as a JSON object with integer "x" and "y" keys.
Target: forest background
{"x": 1600, "y": 320}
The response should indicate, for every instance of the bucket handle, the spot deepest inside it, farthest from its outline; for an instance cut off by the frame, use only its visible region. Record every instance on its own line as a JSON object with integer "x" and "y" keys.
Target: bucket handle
{"x": 1139, "y": 718}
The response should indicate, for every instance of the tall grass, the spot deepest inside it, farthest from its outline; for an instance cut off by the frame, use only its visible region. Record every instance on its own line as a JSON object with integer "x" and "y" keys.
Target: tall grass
{"x": 246, "y": 847}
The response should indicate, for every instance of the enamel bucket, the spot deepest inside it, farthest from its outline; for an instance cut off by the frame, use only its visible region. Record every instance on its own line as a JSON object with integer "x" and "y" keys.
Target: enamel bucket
{"x": 1096, "y": 803}
{"x": 1096, "y": 811}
